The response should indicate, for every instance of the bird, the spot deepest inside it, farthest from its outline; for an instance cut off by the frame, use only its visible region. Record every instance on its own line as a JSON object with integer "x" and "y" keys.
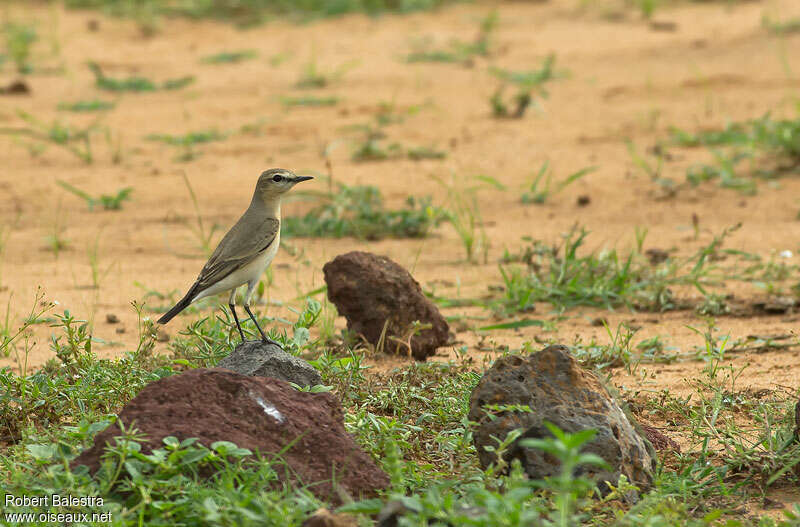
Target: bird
{"x": 245, "y": 252}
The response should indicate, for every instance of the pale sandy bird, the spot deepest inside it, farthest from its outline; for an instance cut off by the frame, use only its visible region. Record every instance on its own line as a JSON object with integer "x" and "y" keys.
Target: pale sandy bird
{"x": 246, "y": 250}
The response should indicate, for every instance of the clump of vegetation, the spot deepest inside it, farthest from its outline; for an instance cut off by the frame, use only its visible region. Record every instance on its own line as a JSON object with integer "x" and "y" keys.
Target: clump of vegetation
{"x": 230, "y": 57}
{"x": 563, "y": 277}
{"x": 526, "y": 82}
{"x": 135, "y": 84}
{"x": 309, "y": 100}
{"x": 359, "y": 211}
{"x": 250, "y": 12}
{"x": 541, "y": 188}
{"x": 459, "y": 52}
{"x": 767, "y": 147}
{"x": 107, "y": 201}
{"x": 188, "y": 141}
{"x": 94, "y": 105}
{"x": 781, "y": 27}
{"x": 312, "y": 77}
{"x": 373, "y": 147}
{"x": 77, "y": 141}
{"x": 19, "y": 40}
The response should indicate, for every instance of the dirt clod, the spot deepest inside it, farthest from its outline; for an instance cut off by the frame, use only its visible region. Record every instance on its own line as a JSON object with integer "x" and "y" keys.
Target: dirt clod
{"x": 660, "y": 441}
{"x": 558, "y": 390}
{"x": 15, "y": 88}
{"x": 111, "y": 318}
{"x": 258, "y": 413}
{"x": 584, "y": 200}
{"x": 373, "y": 292}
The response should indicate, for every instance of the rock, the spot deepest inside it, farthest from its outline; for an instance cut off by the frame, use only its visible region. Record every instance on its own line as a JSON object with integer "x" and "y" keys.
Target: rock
{"x": 558, "y": 390}
{"x": 369, "y": 290}
{"x": 258, "y": 359}
{"x": 325, "y": 518}
{"x": 583, "y": 200}
{"x": 111, "y": 318}
{"x": 258, "y": 413}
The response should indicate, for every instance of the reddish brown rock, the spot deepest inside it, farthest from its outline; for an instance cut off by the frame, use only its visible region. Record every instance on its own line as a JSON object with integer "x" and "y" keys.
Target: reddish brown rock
{"x": 660, "y": 441}
{"x": 558, "y": 390}
{"x": 369, "y": 290}
{"x": 258, "y": 413}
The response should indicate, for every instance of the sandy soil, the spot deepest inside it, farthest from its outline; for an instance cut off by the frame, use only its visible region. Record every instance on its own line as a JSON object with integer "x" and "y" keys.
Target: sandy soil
{"x": 624, "y": 80}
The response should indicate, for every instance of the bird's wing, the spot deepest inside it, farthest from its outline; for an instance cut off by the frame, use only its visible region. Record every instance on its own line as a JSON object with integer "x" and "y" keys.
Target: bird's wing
{"x": 240, "y": 246}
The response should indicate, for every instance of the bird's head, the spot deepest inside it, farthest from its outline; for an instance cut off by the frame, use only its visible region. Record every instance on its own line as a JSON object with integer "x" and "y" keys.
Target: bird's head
{"x": 274, "y": 182}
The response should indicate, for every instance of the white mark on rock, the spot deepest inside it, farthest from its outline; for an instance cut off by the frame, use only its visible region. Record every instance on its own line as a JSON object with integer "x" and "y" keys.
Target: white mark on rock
{"x": 268, "y": 408}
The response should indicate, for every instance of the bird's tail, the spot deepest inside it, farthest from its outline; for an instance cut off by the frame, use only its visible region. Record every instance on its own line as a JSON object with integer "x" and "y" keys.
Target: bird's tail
{"x": 177, "y": 308}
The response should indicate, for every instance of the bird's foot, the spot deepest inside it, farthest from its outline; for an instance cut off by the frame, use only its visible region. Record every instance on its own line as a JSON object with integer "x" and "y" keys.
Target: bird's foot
{"x": 270, "y": 341}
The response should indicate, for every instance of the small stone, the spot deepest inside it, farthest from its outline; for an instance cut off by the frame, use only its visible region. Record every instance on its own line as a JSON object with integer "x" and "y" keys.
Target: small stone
{"x": 120, "y": 330}
{"x": 599, "y": 322}
{"x": 259, "y": 359}
{"x": 584, "y": 200}
{"x": 111, "y": 318}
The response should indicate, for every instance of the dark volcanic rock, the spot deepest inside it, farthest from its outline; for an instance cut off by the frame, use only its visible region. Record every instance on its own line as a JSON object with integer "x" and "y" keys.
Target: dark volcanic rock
{"x": 255, "y": 358}
{"x": 258, "y": 413}
{"x": 369, "y": 290}
{"x": 558, "y": 390}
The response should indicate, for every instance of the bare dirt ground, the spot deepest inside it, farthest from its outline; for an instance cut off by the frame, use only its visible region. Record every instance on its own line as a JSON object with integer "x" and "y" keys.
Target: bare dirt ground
{"x": 625, "y": 80}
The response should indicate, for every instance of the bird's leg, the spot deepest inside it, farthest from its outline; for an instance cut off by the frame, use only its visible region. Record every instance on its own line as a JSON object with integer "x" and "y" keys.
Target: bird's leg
{"x": 231, "y": 304}
{"x": 250, "y": 287}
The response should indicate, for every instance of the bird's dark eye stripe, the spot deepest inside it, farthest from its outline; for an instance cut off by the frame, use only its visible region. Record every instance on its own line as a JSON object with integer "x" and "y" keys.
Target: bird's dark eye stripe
{"x": 277, "y": 179}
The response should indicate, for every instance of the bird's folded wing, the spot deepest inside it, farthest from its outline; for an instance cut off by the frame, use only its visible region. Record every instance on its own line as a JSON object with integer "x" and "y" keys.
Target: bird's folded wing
{"x": 240, "y": 246}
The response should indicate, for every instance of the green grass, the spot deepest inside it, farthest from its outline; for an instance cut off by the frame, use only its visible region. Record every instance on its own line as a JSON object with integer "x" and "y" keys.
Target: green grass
{"x": 40, "y": 135}
{"x": 413, "y": 420}
{"x": 250, "y": 12}
{"x": 19, "y": 39}
{"x": 566, "y": 276}
{"x": 359, "y": 211}
{"x": 527, "y": 83}
{"x": 744, "y": 153}
{"x": 309, "y": 100}
{"x": 107, "y": 201}
{"x": 93, "y": 105}
{"x": 135, "y": 84}
{"x": 542, "y": 187}
{"x": 230, "y": 57}
{"x": 457, "y": 51}
{"x": 186, "y": 143}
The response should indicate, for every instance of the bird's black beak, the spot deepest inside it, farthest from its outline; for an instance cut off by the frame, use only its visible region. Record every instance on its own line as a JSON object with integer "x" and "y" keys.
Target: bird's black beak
{"x": 298, "y": 179}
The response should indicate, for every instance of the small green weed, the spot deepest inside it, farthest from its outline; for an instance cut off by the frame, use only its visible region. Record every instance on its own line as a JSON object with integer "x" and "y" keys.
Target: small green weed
{"x": 19, "y": 40}
{"x": 94, "y": 105}
{"x": 230, "y": 57}
{"x": 771, "y": 149}
{"x": 359, "y": 211}
{"x": 540, "y": 189}
{"x": 312, "y": 77}
{"x": 135, "y": 84}
{"x": 187, "y": 142}
{"x": 458, "y": 52}
{"x": 107, "y": 201}
{"x": 309, "y": 100}
{"x": 526, "y": 82}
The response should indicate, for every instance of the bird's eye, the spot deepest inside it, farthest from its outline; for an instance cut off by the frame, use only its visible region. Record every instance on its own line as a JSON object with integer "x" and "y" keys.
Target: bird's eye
{"x": 277, "y": 179}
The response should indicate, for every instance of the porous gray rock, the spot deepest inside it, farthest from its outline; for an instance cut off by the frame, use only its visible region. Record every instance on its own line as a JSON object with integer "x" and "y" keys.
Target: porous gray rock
{"x": 373, "y": 292}
{"x": 558, "y": 390}
{"x": 261, "y": 359}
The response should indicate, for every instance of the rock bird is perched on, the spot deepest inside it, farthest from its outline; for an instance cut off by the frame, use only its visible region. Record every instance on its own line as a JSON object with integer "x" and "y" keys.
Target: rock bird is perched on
{"x": 247, "y": 250}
